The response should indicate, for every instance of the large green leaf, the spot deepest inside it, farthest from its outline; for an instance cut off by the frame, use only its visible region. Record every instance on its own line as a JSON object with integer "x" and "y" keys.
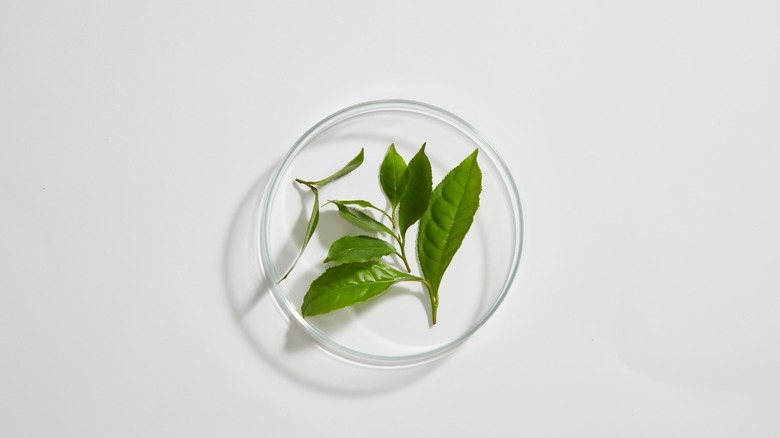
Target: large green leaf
{"x": 351, "y": 249}
{"x": 362, "y": 219}
{"x": 352, "y": 165}
{"x": 445, "y": 223}
{"x": 415, "y": 198}
{"x": 348, "y": 284}
{"x": 313, "y": 220}
{"x": 392, "y": 176}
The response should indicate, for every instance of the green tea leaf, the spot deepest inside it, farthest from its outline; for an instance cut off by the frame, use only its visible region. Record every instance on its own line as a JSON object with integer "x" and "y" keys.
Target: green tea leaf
{"x": 351, "y": 249}
{"x": 392, "y": 176}
{"x": 417, "y": 194}
{"x": 315, "y": 214}
{"x": 313, "y": 220}
{"x": 352, "y": 165}
{"x": 446, "y": 222}
{"x": 360, "y": 203}
{"x": 348, "y": 284}
{"x": 362, "y": 219}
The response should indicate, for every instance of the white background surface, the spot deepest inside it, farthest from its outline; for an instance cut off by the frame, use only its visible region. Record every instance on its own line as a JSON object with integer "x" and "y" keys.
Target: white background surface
{"x": 135, "y": 138}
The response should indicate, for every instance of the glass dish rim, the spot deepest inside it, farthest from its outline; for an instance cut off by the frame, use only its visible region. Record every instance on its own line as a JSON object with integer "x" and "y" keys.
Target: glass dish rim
{"x": 265, "y": 260}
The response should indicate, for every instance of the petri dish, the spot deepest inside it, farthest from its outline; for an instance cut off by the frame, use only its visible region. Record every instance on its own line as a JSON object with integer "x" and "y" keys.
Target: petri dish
{"x": 393, "y": 329}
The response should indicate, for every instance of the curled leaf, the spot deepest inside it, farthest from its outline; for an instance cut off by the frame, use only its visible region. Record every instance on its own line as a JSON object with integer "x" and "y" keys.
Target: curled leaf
{"x": 315, "y": 213}
{"x": 352, "y": 165}
{"x": 359, "y": 203}
{"x": 362, "y": 219}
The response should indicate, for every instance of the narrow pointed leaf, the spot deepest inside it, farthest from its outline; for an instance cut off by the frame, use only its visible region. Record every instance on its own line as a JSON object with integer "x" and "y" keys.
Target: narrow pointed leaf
{"x": 315, "y": 214}
{"x": 360, "y": 203}
{"x": 417, "y": 194}
{"x": 363, "y": 220}
{"x": 352, "y": 165}
{"x": 348, "y": 284}
{"x": 351, "y": 249}
{"x": 392, "y": 176}
{"x": 313, "y": 220}
{"x": 445, "y": 223}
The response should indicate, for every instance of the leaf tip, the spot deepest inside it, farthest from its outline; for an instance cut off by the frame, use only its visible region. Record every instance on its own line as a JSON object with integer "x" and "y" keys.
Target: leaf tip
{"x": 391, "y": 151}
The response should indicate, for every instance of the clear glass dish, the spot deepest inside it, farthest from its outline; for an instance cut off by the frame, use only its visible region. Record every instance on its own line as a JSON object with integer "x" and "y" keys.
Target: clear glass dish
{"x": 393, "y": 329}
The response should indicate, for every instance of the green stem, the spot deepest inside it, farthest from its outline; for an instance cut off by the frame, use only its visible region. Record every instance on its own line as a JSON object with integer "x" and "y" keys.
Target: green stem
{"x": 386, "y": 215}
{"x": 434, "y": 300}
{"x": 308, "y": 184}
{"x": 401, "y": 241}
{"x": 403, "y": 255}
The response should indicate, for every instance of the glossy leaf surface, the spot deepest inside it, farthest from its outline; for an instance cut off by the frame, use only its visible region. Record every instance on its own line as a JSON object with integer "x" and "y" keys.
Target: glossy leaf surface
{"x": 417, "y": 194}
{"x": 348, "y": 284}
{"x": 447, "y": 220}
{"x": 351, "y": 249}
{"x": 392, "y": 176}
